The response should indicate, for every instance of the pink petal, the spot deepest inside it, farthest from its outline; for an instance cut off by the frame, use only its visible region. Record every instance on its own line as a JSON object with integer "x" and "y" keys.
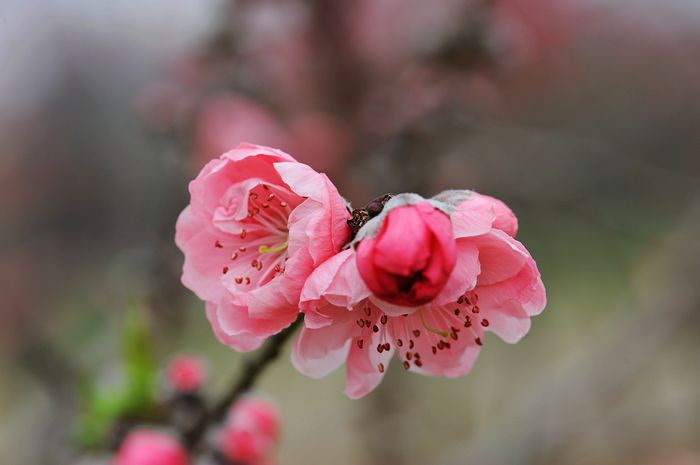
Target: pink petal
{"x": 464, "y": 275}
{"x": 245, "y": 150}
{"x": 336, "y": 281}
{"x": 362, "y": 369}
{"x": 509, "y": 321}
{"x": 317, "y": 352}
{"x": 509, "y": 304}
{"x": 455, "y": 361}
{"x": 526, "y": 288}
{"x": 366, "y": 365}
{"x": 479, "y": 205}
{"x": 203, "y": 267}
{"x": 472, "y": 218}
{"x": 391, "y": 252}
{"x": 234, "y": 319}
{"x": 391, "y": 309}
{"x": 280, "y": 297}
{"x": 328, "y": 229}
{"x": 241, "y": 164}
{"x": 242, "y": 342}
{"x": 501, "y": 257}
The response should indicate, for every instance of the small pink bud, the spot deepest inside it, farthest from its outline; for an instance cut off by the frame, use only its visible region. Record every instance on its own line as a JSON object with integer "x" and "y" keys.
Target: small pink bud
{"x": 251, "y": 432}
{"x": 241, "y": 446}
{"x": 144, "y": 447}
{"x": 411, "y": 258}
{"x": 186, "y": 373}
{"x": 256, "y": 415}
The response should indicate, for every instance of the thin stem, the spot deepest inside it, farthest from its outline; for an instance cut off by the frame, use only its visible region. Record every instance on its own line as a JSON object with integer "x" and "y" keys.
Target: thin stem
{"x": 253, "y": 367}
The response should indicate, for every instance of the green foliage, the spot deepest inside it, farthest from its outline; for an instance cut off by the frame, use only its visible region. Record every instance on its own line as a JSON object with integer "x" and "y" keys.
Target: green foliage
{"x": 105, "y": 407}
{"x": 139, "y": 359}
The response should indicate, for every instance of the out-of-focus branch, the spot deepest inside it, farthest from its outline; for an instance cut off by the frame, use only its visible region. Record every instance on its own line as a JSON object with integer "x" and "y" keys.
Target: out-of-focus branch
{"x": 252, "y": 369}
{"x": 621, "y": 350}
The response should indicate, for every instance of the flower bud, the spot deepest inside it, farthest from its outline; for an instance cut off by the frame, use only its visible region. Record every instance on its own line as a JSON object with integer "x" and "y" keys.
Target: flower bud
{"x": 251, "y": 432}
{"x": 186, "y": 373}
{"x": 411, "y": 258}
{"x": 242, "y": 447}
{"x": 145, "y": 447}
{"x": 255, "y": 414}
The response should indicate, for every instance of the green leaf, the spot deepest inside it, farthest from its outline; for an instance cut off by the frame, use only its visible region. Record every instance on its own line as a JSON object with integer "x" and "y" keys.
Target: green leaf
{"x": 139, "y": 359}
{"x": 136, "y": 398}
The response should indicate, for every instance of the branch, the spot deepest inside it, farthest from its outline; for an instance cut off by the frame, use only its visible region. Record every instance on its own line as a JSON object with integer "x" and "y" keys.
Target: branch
{"x": 251, "y": 371}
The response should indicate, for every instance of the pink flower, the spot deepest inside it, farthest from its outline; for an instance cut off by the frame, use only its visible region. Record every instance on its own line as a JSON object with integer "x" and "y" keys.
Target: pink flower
{"x": 251, "y": 432}
{"x": 227, "y": 120}
{"x": 242, "y": 447}
{"x": 257, "y": 225}
{"x": 494, "y": 286}
{"x": 386, "y": 34}
{"x": 320, "y": 140}
{"x": 257, "y": 415}
{"x": 186, "y": 373}
{"x": 144, "y": 447}
{"x": 411, "y": 258}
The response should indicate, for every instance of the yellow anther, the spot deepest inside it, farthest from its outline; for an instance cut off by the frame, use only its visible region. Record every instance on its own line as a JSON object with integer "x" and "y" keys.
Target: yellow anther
{"x": 444, "y": 334}
{"x": 275, "y": 249}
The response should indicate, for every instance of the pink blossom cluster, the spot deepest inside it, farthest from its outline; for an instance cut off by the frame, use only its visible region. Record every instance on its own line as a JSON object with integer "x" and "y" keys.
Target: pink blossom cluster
{"x": 316, "y": 79}
{"x": 266, "y": 237}
{"x": 249, "y": 436}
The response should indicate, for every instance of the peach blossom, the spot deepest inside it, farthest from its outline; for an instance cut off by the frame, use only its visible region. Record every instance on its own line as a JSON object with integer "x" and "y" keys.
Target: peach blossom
{"x": 251, "y": 432}
{"x": 147, "y": 447}
{"x": 411, "y": 258}
{"x": 224, "y": 121}
{"x": 257, "y": 415}
{"x": 257, "y": 225}
{"x": 186, "y": 373}
{"x": 494, "y": 286}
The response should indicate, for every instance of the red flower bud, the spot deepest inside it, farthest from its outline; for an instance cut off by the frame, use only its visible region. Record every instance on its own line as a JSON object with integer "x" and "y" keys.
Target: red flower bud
{"x": 146, "y": 447}
{"x": 411, "y": 258}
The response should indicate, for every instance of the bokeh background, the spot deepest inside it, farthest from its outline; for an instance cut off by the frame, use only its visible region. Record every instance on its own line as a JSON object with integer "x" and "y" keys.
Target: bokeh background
{"x": 583, "y": 115}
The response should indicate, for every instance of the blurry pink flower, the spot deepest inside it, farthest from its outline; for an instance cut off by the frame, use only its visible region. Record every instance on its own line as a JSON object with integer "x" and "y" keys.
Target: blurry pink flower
{"x": 144, "y": 447}
{"x": 411, "y": 258}
{"x": 251, "y": 432}
{"x": 388, "y": 33}
{"x": 257, "y": 415}
{"x": 186, "y": 373}
{"x": 319, "y": 140}
{"x": 495, "y": 285}
{"x": 277, "y": 38}
{"x": 242, "y": 447}
{"x": 225, "y": 121}
{"x": 525, "y": 33}
{"x": 257, "y": 225}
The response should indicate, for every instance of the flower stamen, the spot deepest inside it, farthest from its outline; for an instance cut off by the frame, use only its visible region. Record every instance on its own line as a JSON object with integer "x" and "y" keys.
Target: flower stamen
{"x": 429, "y": 328}
{"x": 275, "y": 249}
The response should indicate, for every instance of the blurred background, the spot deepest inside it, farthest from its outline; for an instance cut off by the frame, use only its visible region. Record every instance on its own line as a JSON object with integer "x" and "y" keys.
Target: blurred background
{"x": 582, "y": 115}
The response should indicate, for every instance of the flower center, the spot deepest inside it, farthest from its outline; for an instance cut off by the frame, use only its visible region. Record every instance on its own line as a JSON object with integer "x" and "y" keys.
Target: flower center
{"x": 445, "y": 334}
{"x": 258, "y": 252}
{"x": 275, "y": 249}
